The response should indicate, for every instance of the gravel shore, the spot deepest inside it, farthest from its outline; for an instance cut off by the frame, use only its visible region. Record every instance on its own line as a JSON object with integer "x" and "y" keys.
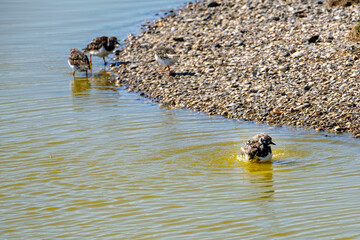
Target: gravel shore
{"x": 270, "y": 61}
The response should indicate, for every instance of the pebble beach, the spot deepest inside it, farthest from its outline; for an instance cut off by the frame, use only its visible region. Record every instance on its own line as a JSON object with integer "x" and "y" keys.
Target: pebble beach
{"x": 294, "y": 63}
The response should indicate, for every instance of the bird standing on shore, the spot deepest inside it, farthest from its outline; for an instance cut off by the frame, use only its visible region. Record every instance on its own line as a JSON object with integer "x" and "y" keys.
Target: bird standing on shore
{"x": 101, "y": 47}
{"x": 258, "y": 149}
{"x": 166, "y": 56}
{"x": 78, "y": 61}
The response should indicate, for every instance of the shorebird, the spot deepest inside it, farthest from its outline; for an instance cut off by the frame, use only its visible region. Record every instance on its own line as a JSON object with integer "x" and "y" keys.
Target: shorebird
{"x": 78, "y": 61}
{"x": 101, "y": 47}
{"x": 166, "y": 56}
{"x": 258, "y": 149}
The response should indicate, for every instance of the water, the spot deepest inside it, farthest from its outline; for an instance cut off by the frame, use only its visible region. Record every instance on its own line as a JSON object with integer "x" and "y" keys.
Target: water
{"x": 84, "y": 159}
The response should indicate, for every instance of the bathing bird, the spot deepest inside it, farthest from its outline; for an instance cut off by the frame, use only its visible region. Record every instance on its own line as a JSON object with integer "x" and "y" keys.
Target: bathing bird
{"x": 78, "y": 61}
{"x": 166, "y": 57}
{"x": 101, "y": 47}
{"x": 258, "y": 149}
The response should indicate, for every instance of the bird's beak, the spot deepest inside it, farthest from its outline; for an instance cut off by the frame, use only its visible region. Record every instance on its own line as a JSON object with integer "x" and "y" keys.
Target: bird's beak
{"x": 272, "y": 143}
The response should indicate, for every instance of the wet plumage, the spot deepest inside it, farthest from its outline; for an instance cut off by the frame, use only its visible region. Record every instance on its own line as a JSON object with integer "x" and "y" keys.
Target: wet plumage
{"x": 166, "y": 57}
{"x": 78, "y": 61}
{"x": 101, "y": 47}
{"x": 258, "y": 149}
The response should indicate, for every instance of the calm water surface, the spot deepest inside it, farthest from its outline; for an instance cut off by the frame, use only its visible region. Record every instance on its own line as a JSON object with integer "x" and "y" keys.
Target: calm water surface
{"x": 81, "y": 159}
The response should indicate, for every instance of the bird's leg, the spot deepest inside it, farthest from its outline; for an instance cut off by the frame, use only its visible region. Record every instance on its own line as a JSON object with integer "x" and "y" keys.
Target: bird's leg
{"x": 170, "y": 73}
{"x": 90, "y": 61}
{"x": 73, "y": 73}
{"x": 160, "y": 71}
{"x": 104, "y": 61}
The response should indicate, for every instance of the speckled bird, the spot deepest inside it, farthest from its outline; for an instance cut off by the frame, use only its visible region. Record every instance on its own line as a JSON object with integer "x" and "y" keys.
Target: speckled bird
{"x": 166, "y": 57}
{"x": 101, "y": 47}
{"x": 258, "y": 149}
{"x": 78, "y": 61}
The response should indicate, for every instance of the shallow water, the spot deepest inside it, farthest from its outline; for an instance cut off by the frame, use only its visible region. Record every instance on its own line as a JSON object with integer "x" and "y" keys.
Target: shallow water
{"x": 80, "y": 158}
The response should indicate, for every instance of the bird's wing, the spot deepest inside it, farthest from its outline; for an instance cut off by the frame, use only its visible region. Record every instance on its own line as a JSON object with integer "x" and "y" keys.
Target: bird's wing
{"x": 96, "y": 43}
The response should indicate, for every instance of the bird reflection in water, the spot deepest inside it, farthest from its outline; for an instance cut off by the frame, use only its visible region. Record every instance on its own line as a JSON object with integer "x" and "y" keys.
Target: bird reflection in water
{"x": 82, "y": 85}
{"x": 260, "y": 175}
